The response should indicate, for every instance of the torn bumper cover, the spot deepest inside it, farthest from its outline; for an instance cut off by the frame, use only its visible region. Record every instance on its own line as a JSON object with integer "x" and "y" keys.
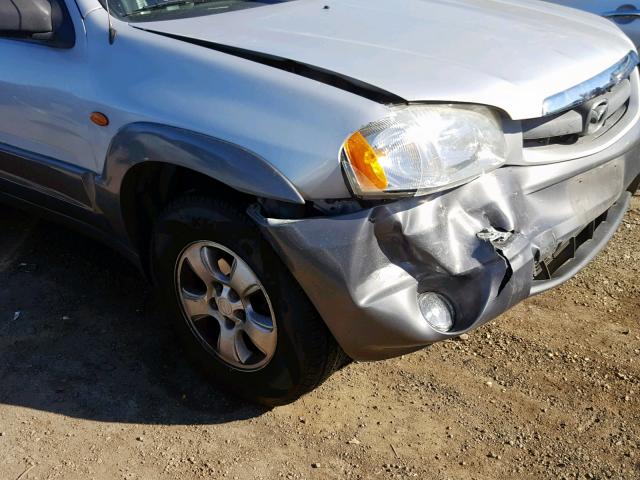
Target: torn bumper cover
{"x": 479, "y": 245}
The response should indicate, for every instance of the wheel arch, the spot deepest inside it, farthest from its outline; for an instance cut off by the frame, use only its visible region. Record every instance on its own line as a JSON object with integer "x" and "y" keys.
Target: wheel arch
{"x": 228, "y": 163}
{"x": 149, "y": 164}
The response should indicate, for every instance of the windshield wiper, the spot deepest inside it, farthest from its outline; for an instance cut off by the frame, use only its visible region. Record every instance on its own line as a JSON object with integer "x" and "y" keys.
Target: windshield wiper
{"x": 162, "y": 5}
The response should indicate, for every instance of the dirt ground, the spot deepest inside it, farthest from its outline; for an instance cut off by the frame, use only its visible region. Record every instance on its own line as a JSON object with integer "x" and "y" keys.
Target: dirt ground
{"x": 92, "y": 387}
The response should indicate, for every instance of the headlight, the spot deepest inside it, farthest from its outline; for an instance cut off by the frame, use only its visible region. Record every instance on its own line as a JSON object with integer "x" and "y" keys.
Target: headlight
{"x": 421, "y": 149}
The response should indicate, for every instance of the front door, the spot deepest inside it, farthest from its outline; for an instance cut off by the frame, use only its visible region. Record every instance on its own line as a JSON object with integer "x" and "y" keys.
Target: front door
{"x": 44, "y": 114}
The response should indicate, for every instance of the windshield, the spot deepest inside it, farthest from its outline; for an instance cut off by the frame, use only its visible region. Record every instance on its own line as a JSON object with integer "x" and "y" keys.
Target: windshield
{"x": 153, "y": 10}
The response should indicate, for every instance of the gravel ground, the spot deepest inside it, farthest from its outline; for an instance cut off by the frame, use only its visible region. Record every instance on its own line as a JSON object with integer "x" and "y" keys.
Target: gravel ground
{"x": 94, "y": 387}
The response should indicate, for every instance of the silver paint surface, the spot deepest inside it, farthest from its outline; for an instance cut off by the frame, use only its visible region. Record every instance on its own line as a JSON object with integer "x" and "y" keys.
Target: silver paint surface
{"x": 363, "y": 271}
{"x": 489, "y": 51}
{"x": 275, "y": 134}
{"x": 510, "y": 55}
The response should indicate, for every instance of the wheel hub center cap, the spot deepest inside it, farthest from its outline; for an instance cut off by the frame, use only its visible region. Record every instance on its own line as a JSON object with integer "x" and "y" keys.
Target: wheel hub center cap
{"x": 225, "y": 307}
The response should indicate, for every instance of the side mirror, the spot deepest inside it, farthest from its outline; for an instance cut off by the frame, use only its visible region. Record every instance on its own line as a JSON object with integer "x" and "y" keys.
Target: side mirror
{"x": 26, "y": 17}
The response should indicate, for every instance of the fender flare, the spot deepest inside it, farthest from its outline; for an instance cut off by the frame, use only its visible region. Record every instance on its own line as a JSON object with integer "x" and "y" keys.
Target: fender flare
{"x": 223, "y": 161}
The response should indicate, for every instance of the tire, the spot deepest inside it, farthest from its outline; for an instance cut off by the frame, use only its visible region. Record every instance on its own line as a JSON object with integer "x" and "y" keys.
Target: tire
{"x": 223, "y": 236}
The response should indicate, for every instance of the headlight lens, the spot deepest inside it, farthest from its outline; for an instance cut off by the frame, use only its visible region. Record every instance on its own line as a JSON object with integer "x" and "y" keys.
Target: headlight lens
{"x": 422, "y": 149}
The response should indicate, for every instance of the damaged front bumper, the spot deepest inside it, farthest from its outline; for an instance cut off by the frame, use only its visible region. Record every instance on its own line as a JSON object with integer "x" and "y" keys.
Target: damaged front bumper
{"x": 479, "y": 245}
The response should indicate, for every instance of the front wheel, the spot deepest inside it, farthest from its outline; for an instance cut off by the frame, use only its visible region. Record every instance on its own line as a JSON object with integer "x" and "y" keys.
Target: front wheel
{"x": 241, "y": 316}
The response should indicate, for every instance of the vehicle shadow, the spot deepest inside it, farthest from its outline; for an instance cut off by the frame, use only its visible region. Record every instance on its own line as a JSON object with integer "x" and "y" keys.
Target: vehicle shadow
{"x": 78, "y": 336}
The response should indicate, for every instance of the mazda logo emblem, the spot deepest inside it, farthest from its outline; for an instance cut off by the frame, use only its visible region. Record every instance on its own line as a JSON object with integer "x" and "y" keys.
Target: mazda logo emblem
{"x": 596, "y": 117}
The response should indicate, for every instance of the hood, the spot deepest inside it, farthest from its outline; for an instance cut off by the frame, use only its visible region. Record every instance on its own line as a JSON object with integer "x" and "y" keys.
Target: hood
{"x": 508, "y": 54}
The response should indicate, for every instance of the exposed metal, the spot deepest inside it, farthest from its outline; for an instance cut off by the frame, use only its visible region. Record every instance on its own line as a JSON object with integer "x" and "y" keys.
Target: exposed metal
{"x": 225, "y": 305}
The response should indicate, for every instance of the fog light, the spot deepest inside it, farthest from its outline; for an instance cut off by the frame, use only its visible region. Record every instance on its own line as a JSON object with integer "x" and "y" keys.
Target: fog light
{"x": 437, "y": 311}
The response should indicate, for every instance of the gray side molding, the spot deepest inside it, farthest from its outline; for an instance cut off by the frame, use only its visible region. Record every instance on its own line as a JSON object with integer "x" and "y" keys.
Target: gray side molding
{"x": 230, "y": 164}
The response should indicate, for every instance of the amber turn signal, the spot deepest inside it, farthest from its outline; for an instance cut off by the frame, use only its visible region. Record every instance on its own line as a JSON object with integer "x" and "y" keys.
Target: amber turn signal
{"x": 364, "y": 160}
{"x": 99, "y": 119}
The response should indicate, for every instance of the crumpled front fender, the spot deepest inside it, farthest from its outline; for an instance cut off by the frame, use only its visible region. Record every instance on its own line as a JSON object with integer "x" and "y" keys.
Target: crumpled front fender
{"x": 476, "y": 245}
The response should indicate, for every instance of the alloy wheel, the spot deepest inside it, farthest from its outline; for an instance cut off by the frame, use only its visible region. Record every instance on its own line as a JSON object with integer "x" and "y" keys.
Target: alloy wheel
{"x": 226, "y": 306}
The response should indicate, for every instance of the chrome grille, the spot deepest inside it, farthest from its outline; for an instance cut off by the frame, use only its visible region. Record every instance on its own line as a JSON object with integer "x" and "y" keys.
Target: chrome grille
{"x": 587, "y": 121}
{"x": 593, "y": 87}
{"x": 585, "y": 118}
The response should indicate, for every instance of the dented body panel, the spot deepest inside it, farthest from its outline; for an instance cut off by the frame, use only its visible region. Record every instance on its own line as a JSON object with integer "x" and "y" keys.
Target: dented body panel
{"x": 476, "y": 245}
{"x": 262, "y": 100}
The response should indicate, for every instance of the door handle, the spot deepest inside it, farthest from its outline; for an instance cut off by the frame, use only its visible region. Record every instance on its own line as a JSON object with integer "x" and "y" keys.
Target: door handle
{"x": 622, "y": 13}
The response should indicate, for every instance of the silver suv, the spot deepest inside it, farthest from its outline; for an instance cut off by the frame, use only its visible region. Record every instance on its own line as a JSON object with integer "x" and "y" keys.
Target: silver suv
{"x": 308, "y": 182}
